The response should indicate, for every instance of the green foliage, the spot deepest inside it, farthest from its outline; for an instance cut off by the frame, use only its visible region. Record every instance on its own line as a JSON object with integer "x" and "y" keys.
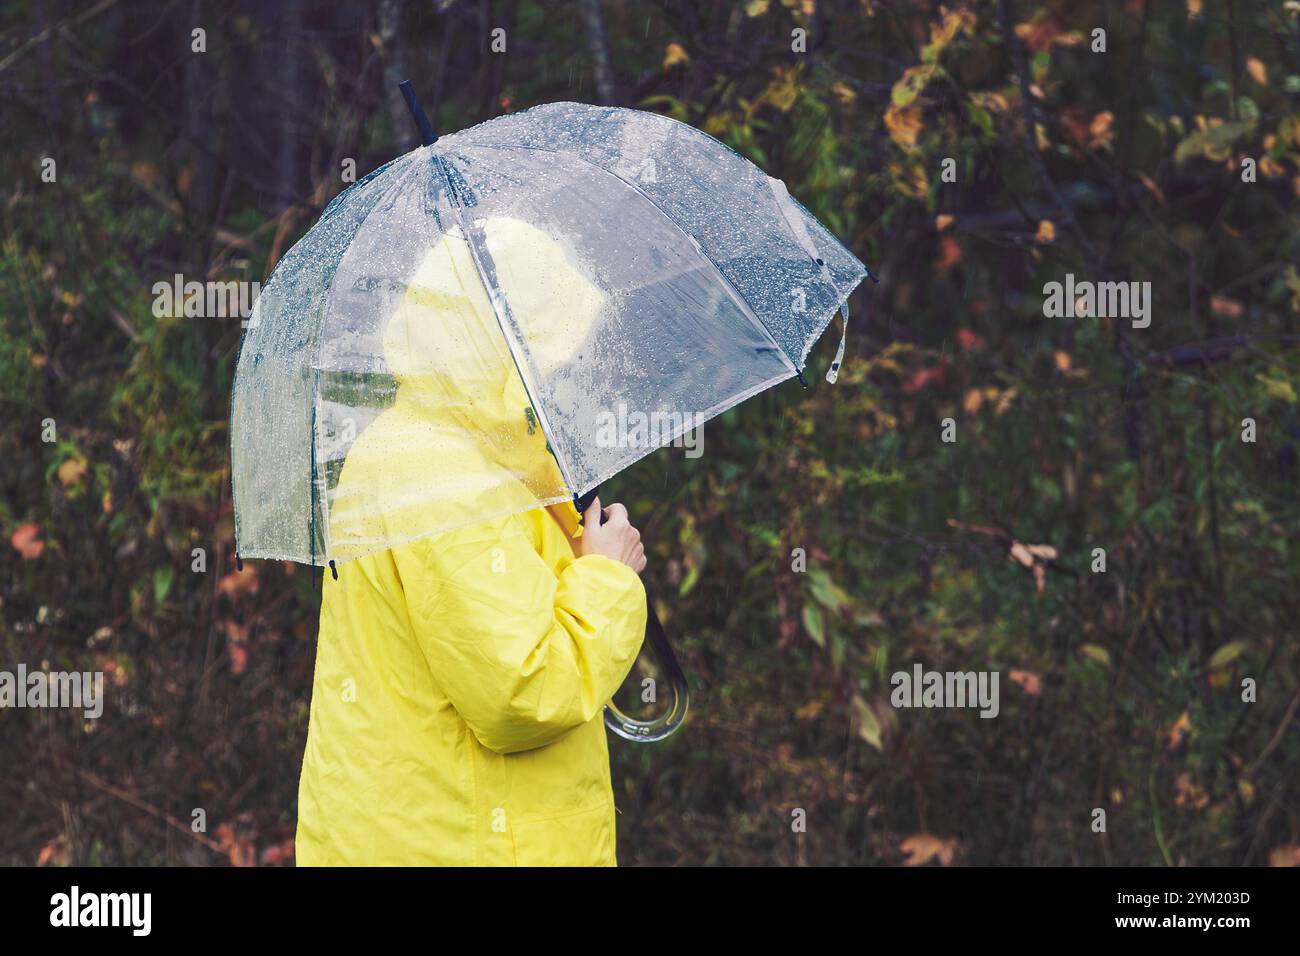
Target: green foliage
{"x": 1119, "y": 690}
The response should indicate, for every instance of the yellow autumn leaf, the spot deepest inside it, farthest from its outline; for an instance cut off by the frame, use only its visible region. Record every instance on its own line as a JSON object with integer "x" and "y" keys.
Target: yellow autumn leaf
{"x": 783, "y": 91}
{"x": 993, "y": 102}
{"x": 942, "y": 222}
{"x": 868, "y": 725}
{"x": 1180, "y": 731}
{"x": 943, "y": 33}
{"x": 675, "y": 54}
{"x": 904, "y": 125}
{"x": 1046, "y": 232}
{"x": 809, "y": 710}
{"x": 910, "y": 181}
{"x": 1278, "y": 388}
{"x": 1228, "y": 653}
{"x": 71, "y": 471}
{"x": 921, "y": 848}
{"x": 1095, "y": 652}
{"x": 912, "y": 82}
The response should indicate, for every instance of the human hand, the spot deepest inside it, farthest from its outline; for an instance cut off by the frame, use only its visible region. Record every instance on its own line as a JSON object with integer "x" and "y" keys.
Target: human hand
{"x": 614, "y": 537}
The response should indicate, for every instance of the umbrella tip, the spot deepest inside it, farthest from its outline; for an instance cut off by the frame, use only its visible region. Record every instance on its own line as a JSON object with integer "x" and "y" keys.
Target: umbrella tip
{"x": 422, "y": 123}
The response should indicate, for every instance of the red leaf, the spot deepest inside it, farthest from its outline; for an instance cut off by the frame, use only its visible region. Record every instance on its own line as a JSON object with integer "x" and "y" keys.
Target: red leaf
{"x": 26, "y": 541}
{"x": 238, "y": 583}
{"x": 238, "y": 658}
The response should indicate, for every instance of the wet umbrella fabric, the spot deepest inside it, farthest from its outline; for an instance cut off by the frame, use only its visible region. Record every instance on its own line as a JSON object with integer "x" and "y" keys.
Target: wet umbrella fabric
{"x": 449, "y": 342}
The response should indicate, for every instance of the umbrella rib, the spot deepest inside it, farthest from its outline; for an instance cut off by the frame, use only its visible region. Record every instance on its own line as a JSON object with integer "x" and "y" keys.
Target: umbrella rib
{"x": 486, "y": 269}
{"x": 739, "y": 299}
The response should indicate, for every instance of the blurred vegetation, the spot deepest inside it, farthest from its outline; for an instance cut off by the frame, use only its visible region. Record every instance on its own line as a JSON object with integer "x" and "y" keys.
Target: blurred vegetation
{"x": 1120, "y": 690}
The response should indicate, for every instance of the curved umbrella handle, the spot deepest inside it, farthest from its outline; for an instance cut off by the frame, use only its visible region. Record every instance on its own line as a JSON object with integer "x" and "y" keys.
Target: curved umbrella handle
{"x": 667, "y": 723}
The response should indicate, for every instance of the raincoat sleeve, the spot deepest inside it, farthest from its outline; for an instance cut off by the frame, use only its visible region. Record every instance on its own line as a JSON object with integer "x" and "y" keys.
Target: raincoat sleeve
{"x": 524, "y": 654}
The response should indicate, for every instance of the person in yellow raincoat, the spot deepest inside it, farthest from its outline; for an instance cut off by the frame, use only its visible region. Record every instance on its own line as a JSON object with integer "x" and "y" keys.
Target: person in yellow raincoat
{"x": 461, "y": 677}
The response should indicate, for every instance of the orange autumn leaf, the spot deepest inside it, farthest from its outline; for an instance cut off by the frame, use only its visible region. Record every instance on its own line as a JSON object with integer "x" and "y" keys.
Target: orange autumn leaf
{"x": 238, "y": 658}
{"x": 1027, "y": 680}
{"x": 924, "y": 376}
{"x": 1100, "y": 131}
{"x": 1151, "y": 186}
{"x": 71, "y": 471}
{"x": 942, "y": 221}
{"x": 1046, "y": 232}
{"x": 903, "y": 123}
{"x": 1258, "y": 72}
{"x": 1228, "y": 308}
{"x": 236, "y": 584}
{"x": 1180, "y": 731}
{"x": 949, "y": 253}
{"x": 1190, "y": 794}
{"x": 1042, "y": 32}
{"x": 675, "y": 53}
{"x": 26, "y": 541}
{"x": 1287, "y": 855}
{"x": 54, "y": 853}
{"x": 921, "y": 848}
{"x": 972, "y": 402}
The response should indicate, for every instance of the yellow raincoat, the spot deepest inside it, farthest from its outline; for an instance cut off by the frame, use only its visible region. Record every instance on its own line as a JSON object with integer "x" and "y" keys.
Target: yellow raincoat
{"x": 460, "y": 678}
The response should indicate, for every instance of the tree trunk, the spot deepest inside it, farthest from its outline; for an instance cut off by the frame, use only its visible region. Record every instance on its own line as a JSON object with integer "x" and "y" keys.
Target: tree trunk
{"x": 593, "y": 20}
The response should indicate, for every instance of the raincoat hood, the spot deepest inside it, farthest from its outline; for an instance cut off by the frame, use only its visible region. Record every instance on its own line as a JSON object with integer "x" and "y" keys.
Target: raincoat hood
{"x": 461, "y": 421}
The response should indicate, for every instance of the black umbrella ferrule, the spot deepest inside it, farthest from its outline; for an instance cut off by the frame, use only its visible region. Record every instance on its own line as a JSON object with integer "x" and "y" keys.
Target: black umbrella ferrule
{"x": 417, "y": 112}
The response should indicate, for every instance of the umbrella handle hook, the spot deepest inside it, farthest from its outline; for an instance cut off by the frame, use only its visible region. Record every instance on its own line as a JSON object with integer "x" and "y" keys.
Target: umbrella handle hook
{"x": 667, "y": 723}
{"x": 671, "y": 720}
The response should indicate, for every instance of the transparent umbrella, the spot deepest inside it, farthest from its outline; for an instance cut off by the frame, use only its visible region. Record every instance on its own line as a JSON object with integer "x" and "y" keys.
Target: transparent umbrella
{"x": 468, "y": 330}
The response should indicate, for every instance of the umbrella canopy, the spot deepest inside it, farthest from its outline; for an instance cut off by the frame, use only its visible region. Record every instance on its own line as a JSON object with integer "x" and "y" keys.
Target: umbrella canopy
{"x": 452, "y": 339}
